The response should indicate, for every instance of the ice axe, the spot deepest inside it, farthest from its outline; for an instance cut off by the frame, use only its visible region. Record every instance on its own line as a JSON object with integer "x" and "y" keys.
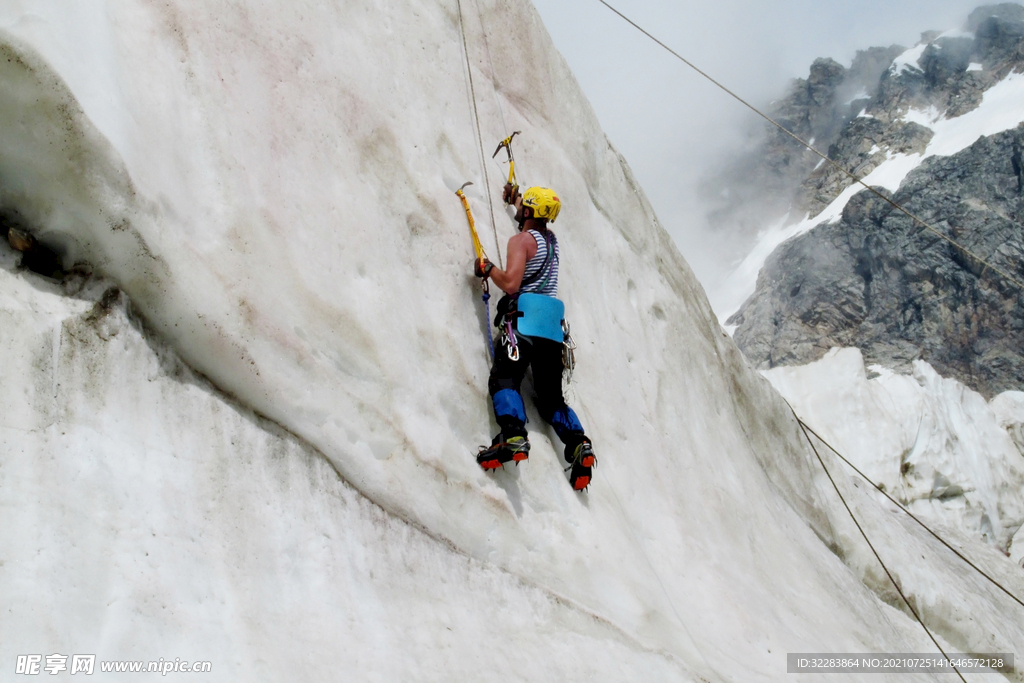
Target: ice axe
{"x": 480, "y": 257}
{"x": 507, "y": 144}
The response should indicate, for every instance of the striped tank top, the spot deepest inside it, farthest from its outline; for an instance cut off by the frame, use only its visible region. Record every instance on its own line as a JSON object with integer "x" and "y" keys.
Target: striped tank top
{"x": 541, "y": 273}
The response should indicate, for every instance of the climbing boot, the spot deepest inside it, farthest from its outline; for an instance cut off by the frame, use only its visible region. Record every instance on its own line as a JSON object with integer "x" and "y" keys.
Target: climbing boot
{"x": 583, "y": 459}
{"x": 514, "y": 449}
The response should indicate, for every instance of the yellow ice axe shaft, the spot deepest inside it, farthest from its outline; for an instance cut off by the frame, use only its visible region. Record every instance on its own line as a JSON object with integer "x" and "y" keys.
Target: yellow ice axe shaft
{"x": 480, "y": 255}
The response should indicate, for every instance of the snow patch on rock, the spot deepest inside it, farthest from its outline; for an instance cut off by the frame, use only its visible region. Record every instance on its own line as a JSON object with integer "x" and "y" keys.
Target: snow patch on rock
{"x": 908, "y": 61}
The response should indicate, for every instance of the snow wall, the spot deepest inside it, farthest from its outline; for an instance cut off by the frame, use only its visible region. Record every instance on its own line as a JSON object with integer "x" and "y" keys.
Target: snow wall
{"x": 261, "y": 453}
{"x": 935, "y": 444}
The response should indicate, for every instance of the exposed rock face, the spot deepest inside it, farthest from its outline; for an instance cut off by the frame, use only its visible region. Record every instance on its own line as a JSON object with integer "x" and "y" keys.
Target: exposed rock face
{"x": 809, "y": 111}
{"x": 862, "y": 148}
{"x": 876, "y": 281}
{"x": 998, "y": 28}
{"x": 763, "y": 182}
{"x": 854, "y": 114}
{"x": 37, "y": 256}
{"x": 940, "y": 80}
{"x": 19, "y": 239}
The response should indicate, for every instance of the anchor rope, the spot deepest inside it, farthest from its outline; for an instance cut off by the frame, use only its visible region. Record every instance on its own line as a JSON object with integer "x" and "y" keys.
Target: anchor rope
{"x": 479, "y": 136}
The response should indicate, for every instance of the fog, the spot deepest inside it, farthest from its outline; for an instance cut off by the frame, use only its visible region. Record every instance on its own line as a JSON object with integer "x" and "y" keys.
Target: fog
{"x": 672, "y": 125}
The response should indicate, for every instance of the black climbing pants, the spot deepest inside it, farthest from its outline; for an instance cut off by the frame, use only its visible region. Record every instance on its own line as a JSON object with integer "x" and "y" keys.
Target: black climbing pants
{"x": 545, "y": 357}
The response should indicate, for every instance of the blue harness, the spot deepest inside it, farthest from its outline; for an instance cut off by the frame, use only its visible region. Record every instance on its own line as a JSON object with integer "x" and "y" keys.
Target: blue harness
{"x": 541, "y": 316}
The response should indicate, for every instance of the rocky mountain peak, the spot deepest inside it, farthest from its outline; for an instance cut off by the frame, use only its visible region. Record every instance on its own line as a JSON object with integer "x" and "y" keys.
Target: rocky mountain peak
{"x": 871, "y": 277}
{"x": 833, "y": 108}
{"x": 1005, "y": 13}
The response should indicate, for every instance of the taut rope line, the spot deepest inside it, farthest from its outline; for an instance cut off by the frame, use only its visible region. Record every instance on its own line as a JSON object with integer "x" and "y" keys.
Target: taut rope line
{"x": 875, "y": 552}
{"x": 479, "y": 138}
{"x": 912, "y": 516}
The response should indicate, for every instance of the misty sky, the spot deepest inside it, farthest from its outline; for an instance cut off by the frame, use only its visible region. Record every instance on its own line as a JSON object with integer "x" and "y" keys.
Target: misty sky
{"x": 667, "y": 120}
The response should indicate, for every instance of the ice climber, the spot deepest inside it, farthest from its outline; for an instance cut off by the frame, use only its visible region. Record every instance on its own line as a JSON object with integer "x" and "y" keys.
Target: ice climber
{"x": 530, "y": 318}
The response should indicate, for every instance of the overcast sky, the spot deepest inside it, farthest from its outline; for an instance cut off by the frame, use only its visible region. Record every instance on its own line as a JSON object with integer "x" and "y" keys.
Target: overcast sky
{"x": 666, "y": 119}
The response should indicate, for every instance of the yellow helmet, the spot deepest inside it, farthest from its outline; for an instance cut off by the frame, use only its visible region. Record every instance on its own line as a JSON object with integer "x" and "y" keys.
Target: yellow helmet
{"x": 544, "y": 202}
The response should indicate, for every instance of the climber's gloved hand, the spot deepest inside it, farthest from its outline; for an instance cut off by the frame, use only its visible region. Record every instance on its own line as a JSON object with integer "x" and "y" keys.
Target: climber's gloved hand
{"x": 482, "y": 268}
{"x": 509, "y": 193}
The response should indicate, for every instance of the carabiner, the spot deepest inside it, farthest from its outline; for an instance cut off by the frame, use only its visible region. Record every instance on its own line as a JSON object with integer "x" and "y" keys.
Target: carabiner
{"x": 510, "y": 342}
{"x": 568, "y": 350}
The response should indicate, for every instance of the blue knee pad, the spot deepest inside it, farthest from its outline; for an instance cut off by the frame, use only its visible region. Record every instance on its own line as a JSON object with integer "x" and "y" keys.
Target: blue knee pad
{"x": 565, "y": 422}
{"x": 508, "y": 403}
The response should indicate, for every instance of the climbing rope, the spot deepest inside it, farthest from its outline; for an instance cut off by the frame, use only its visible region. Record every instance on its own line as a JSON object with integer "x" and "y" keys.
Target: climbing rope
{"x": 870, "y": 545}
{"x": 854, "y": 177}
{"x": 479, "y": 138}
{"x": 881, "y": 490}
{"x": 490, "y": 60}
{"x": 487, "y": 315}
{"x": 497, "y": 100}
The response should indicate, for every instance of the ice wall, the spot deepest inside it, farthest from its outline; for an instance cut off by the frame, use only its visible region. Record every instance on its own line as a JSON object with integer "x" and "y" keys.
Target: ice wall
{"x": 145, "y": 516}
{"x": 265, "y": 183}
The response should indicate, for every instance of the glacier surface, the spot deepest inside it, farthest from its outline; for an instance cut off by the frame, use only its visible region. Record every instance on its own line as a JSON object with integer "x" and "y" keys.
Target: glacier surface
{"x": 935, "y": 445}
{"x": 257, "y": 448}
